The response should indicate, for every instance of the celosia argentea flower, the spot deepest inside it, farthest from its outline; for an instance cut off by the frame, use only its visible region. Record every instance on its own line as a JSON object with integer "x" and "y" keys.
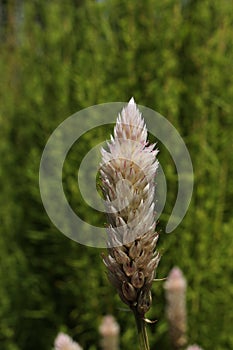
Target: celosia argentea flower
{"x": 65, "y": 342}
{"x": 194, "y": 347}
{"x": 109, "y": 330}
{"x": 128, "y": 172}
{"x": 175, "y": 288}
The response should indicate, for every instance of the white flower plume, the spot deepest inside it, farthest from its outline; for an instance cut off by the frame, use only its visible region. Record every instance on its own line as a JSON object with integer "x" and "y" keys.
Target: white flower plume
{"x": 65, "y": 342}
{"x": 128, "y": 172}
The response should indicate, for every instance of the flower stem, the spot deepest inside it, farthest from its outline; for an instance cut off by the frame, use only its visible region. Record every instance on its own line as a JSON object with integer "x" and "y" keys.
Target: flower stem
{"x": 142, "y": 334}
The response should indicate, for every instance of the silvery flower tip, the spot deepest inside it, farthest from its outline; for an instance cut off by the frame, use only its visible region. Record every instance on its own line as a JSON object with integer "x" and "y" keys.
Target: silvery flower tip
{"x": 128, "y": 171}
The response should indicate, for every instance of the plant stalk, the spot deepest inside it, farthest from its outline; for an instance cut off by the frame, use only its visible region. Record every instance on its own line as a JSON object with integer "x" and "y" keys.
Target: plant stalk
{"x": 142, "y": 334}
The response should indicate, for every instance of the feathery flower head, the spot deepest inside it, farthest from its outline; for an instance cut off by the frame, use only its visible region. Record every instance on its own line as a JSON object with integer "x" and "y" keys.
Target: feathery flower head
{"x": 194, "y": 347}
{"x": 128, "y": 172}
{"x": 65, "y": 342}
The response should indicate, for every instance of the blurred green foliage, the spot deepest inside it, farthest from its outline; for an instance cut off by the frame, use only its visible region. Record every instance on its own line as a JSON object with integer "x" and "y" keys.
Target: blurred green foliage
{"x": 59, "y": 57}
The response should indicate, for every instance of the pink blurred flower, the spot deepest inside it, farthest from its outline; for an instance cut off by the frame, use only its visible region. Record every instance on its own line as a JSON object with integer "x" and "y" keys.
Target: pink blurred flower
{"x": 109, "y": 326}
{"x": 175, "y": 288}
{"x": 109, "y": 330}
{"x": 65, "y": 342}
{"x": 194, "y": 347}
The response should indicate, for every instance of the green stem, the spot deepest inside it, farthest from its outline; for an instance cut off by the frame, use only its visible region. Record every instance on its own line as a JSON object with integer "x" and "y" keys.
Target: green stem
{"x": 142, "y": 334}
